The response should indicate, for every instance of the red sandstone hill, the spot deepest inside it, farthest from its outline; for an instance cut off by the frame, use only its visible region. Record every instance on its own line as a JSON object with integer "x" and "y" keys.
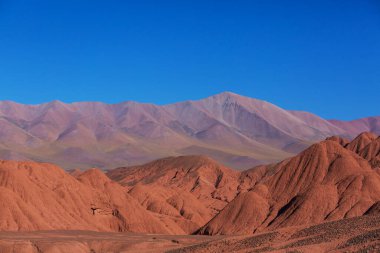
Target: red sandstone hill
{"x": 332, "y": 180}
{"x": 325, "y": 182}
{"x": 36, "y": 196}
{"x": 372, "y": 153}
{"x": 367, "y": 145}
{"x": 188, "y": 190}
{"x": 361, "y": 141}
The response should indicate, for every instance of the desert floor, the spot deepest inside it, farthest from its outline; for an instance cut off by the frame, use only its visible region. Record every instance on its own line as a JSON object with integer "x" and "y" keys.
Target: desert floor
{"x": 360, "y": 234}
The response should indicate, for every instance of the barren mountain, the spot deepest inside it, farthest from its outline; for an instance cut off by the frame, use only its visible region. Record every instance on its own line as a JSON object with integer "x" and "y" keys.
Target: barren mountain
{"x": 237, "y": 131}
{"x": 361, "y": 141}
{"x": 331, "y": 180}
{"x": 37, "y": 196}
{"x": 169, "y": 196}
{"x": 308, "y": 202}
{"x": 325, "y": 182}
{"x": 355, "y": 127}
{"x": 367, "y": 145}
{"x": 190, "y": 189}
{"x": 371, "y": 152}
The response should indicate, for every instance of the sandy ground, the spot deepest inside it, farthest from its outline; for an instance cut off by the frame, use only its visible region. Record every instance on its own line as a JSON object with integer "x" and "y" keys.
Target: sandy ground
{"x": 360, "y": 234}
{"x": 93, "y": 242}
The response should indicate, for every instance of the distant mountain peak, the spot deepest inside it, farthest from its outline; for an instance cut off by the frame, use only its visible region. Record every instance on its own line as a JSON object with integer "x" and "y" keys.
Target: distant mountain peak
{"x": 228, "y": 94}
{"x": 235, "y": 130}
{"x": 231, "y": 97}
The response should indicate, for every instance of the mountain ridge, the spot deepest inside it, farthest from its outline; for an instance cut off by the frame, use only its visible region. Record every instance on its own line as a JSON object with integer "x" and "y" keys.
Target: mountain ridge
{"x": 237, "y": 131}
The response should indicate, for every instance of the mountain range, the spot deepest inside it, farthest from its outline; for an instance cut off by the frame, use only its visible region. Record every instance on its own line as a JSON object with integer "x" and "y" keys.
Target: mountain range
{"x": 314, "y": 198}
{"x": 237, "y": 131}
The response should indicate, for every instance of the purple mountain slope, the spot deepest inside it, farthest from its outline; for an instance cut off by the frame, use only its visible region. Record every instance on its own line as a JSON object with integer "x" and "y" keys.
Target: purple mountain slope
{"x": 238, "y": 131}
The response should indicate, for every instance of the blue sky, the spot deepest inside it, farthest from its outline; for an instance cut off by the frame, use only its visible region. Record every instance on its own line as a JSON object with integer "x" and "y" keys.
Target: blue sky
{"x": 318, "y": 56}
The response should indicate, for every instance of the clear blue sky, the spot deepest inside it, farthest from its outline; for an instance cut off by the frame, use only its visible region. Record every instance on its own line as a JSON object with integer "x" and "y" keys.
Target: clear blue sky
{"x": 319, "y": 56}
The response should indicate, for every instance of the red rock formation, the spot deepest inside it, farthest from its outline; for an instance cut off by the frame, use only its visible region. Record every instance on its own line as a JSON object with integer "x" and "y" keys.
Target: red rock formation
{"x": 342, "y": 141}
{"x": 361, "y": 141}
{"x": 189, "y": 190}
{"x": 36, "y": 196}
{"x": 325, "y": 182}
{"x": 371, "y": 152}
{"x": 329, "y": 181}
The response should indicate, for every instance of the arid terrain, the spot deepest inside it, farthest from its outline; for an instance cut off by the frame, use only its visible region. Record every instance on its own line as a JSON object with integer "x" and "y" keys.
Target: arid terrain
{"x": 360, "y": 234}
{"x": 325, "y": 199}
{"x": 238, "y": 132}
{"x": 189, "y": 126}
